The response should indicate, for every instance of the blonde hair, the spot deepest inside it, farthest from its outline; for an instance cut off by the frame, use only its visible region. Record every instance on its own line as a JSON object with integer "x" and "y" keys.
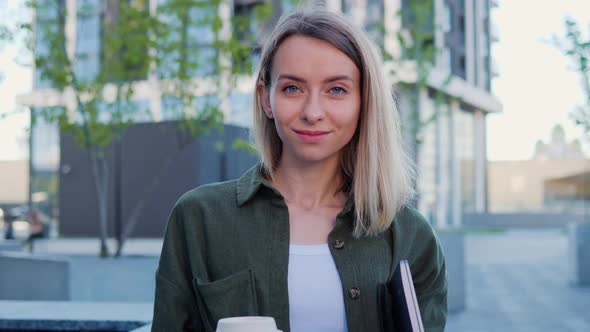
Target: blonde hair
{"x": 377, "y": 172}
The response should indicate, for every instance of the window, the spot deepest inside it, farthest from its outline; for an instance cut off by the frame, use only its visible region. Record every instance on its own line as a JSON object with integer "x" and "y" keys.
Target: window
{"x": 247, "y": 27}
{"x": 124, "y": 20}
{"x": 127, "y": 110}
{"x": 45, "y": 155}
{"x": 374, "y": 22}
{"x": 241, "y": 109}
{"x": 464, "y": 131}
{"x": 173, "y": 108}
{"x": 187, "y": 49}
{"x": 87, "y": 64}
{"x": 418, "y": 21}
{"x": 48, "y": 26}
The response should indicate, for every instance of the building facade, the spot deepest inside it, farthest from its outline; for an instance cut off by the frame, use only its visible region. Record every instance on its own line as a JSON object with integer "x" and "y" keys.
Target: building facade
{"x": 452, "y": 157}
{"x": 14, "y": 176}
{"x": 555, "y": 180}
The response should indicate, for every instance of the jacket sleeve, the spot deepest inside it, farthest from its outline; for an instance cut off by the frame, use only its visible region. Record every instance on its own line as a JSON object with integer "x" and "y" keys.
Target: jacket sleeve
{"x": 430, "y": 280}
{"x": 175, "y": 307}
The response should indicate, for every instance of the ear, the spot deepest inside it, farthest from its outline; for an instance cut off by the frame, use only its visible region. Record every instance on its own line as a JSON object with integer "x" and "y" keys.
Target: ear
{"x": 264, "y": 97}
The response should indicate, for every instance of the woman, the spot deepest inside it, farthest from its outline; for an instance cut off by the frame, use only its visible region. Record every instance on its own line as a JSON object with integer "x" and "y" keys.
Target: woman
{"x": 311, "y": 234}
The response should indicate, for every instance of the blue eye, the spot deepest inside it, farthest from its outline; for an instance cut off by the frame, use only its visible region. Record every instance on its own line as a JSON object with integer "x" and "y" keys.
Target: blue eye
{"x": 291, "y": 89}
{"x": 338, "y": 90}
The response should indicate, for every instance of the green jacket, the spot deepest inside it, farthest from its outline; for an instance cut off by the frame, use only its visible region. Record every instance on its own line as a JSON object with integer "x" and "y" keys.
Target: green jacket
{"x": 226, "y": 252}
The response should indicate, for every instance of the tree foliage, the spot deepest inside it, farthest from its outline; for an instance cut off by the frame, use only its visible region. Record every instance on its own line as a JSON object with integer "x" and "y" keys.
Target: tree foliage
{"x": 576, "y": 46}
{"x": 182, "y": 46}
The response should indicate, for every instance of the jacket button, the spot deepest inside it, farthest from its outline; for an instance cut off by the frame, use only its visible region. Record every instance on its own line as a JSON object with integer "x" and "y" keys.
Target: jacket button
{"x": 354, "y": 293}
{"x": 338, "y": 244}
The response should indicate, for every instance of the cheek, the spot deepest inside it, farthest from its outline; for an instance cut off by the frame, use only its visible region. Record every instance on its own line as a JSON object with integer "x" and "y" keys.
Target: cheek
{"x": 348, "y": 116}
{"x": 281, "y": 116}
{"x": 284, "y": 110}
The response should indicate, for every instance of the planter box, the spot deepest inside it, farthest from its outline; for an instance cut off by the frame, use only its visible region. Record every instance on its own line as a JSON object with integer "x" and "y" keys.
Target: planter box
{"x": 453, "y": 244}
{"x": 11, "y": 245}
{"x": 579, "y": 253}
{"x": 33, "y": 277}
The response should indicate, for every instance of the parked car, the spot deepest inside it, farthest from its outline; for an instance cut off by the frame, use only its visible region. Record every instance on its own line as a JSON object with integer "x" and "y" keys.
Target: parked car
{"x": 18, "y": 223}
{"x": 15, "y": 222}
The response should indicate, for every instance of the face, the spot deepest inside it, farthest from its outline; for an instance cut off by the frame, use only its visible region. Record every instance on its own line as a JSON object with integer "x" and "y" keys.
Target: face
{"x": 314, "y": 99}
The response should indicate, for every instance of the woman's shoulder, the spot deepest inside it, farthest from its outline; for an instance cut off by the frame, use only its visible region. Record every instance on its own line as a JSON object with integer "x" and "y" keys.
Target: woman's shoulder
{"x": 205, "y": 206}
{"x": 409, "y": 220}
{"x": 223, "y": 192}
{"x": 205, "y": 195}
{"x": 416, "y": 239}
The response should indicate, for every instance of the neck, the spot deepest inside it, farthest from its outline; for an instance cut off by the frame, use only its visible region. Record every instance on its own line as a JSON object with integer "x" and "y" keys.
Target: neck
{"x": 310, "y": 185}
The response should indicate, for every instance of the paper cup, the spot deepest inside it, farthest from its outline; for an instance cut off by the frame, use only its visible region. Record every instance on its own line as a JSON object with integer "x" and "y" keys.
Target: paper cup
{"x": 247, "y": 324}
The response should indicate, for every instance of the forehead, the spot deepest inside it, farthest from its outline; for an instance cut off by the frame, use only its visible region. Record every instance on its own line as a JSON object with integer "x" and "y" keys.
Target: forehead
{"x": 311, "y": 58}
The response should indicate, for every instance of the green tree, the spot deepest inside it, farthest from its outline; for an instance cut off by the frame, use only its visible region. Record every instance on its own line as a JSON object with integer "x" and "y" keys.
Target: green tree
{"x": 138, "y": 43}
{"x": 5, "y": 37}
{"x": 95, "y": 119}
{"x": 576, "y": 47}
{"x": 6, "y": 30}
{"x": 184, "y": 64}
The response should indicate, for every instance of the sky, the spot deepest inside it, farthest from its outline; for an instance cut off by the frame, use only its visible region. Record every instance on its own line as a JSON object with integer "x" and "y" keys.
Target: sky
{"x": 16, "y": 80}
{"x": 536, "y": 85}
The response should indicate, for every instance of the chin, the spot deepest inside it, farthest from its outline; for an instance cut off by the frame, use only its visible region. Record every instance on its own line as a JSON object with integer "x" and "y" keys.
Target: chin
{"x": 315, "y": 155}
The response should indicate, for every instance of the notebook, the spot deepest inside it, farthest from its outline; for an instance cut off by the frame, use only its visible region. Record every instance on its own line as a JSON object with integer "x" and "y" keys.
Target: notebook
{"x": 400, "y": 305}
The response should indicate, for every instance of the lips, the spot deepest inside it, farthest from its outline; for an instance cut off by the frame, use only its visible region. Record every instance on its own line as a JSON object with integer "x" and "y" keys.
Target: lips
{"x": 311, "y": 136}
{"x": 311, "y": 133}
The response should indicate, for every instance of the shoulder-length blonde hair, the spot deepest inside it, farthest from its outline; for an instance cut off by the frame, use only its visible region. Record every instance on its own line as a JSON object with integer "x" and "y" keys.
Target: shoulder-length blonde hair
{"x": 377, "y": 173}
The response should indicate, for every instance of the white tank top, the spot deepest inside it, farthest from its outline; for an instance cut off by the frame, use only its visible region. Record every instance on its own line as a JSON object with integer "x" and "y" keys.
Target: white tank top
{"x": 316, "y": 302}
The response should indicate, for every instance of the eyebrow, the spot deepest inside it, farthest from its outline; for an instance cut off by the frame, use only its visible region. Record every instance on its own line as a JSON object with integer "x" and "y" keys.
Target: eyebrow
{"x": 327, "y": 80}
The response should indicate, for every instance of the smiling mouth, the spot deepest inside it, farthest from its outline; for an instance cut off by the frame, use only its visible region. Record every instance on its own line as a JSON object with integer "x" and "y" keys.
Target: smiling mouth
{"x": 311, "y": 136}
{"x": 311, "y": 133}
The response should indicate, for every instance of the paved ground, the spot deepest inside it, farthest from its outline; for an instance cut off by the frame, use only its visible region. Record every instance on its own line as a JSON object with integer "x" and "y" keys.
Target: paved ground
{"x": 518, "y": 281}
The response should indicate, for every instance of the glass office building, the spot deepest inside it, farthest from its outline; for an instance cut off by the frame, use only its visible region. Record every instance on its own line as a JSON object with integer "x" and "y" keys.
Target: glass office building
{"x": 452, "y": 159}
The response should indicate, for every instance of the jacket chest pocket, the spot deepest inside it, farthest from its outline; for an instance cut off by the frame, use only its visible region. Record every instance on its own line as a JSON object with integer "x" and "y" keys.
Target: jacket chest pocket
{"x": 231, "y": 296}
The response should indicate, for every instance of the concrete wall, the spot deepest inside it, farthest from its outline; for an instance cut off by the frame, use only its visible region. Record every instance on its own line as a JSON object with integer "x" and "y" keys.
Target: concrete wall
{"x": 77, "y": 278}
{"x": 579, "y": 253}
{"x": 27, "y": 277}
{"x": 11, "y": 245}
{"x": 454, "y": 248}
{"x": 124, "y": 279}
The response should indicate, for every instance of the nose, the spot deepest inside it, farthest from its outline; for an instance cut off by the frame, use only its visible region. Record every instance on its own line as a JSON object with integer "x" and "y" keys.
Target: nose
{"x": 312, "y": 110}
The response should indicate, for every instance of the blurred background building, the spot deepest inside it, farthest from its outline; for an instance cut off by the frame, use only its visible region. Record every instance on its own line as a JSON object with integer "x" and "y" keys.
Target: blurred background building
{"x": 14, "y": 176}
{"x": 555, "y": 180}
{"x": 452, "y": 158}
{"x": 514, "y": 208}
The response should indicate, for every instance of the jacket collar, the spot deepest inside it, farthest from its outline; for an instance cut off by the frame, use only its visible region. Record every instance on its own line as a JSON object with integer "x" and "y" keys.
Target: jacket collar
{"x": 250, "y": 183}
{"x": 253, "y": 180}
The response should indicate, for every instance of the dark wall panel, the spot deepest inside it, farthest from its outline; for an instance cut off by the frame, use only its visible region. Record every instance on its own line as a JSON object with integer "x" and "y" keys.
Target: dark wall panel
{"x": 78, "y": 209}
{"x": 157, "y": 164}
